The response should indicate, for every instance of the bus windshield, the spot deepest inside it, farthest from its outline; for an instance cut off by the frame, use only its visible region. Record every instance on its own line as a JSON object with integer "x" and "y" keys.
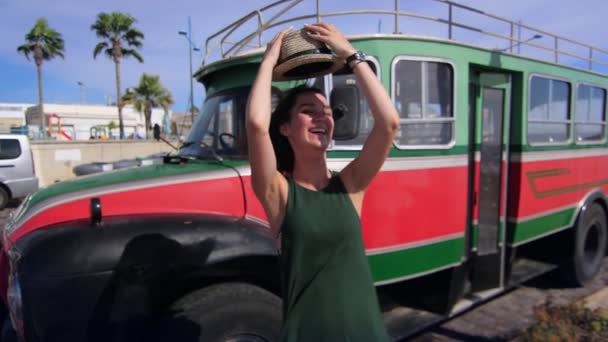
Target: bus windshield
{"x": 218, "y": 131}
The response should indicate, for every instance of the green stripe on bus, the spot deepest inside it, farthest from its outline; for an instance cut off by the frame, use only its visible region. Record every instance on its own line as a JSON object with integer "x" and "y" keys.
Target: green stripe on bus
{"x": 523, "y": 231}
{"x": 411, "y": 261}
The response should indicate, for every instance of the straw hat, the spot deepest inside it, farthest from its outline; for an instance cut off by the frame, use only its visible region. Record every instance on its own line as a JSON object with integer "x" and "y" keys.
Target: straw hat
{"x": 303, "y": 57}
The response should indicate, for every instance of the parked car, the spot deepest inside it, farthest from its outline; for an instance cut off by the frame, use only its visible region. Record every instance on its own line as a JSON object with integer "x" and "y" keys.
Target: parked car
{"x": 17, "y": 176}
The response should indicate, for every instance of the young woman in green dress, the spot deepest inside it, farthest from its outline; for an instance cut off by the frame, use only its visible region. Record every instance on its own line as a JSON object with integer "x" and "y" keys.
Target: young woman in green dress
{"x": 328, "y": 291}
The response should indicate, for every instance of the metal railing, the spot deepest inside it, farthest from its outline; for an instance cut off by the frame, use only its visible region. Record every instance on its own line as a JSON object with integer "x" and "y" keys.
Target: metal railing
{"x": 223, "y": 37}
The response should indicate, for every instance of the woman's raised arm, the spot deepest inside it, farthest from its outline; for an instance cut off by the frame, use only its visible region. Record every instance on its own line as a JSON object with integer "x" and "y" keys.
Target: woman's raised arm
{"x": 268, "y": 184}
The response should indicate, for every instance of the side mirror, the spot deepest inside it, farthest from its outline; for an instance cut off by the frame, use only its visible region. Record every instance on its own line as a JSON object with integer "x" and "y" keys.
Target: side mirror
{"x": 344, "y": 101}
{"x": 157, "y": 136}
{"x": 156, "y": 132}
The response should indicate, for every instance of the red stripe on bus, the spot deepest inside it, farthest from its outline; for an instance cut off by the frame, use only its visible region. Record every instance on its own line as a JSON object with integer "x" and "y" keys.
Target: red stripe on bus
{"x": 399, "y": 207}
{"x": 547, "y": 185}
{"x": 217, "y": 196}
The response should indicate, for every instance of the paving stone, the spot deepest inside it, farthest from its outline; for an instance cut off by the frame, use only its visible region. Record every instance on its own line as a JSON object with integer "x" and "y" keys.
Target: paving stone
{"x": 506, "y": 317}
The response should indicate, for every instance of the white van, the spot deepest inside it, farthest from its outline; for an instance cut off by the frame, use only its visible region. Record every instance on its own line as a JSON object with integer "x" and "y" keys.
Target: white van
{"x": 17, "y": 174}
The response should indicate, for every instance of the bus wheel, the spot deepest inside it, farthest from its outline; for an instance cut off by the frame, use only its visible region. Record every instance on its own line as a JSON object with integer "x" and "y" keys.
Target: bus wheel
{"x": 589, "y": 245}
{"x": 223, "y": 313}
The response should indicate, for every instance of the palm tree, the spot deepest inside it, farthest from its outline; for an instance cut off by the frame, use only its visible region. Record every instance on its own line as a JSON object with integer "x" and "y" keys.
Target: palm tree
{"x": 115, "y": 28}
{"x": 148, "y": 94}
{"x": 44, "y": 44}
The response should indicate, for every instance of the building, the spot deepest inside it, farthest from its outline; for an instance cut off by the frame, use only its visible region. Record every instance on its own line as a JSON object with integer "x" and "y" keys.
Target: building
{"x": 12, "y": 116}
{"x": 83, "y": 121}
{"x": 181, "y": 123}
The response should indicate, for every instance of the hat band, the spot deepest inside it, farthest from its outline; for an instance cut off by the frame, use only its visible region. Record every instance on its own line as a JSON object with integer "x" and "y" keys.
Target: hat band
{"x": 306, "y": 52}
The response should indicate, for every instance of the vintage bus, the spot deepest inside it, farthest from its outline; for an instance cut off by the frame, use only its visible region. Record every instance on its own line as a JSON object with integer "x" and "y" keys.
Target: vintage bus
{"x": 498, "y": 173}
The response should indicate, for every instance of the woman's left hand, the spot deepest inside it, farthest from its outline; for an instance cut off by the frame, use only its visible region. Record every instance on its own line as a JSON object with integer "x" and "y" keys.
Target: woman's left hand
{"x": 329, "y": 34}
{"x": 273, "y": 49}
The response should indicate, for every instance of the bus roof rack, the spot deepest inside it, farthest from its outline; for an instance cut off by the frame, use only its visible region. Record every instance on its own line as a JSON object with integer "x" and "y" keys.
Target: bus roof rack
{"x": 230, "y": 45}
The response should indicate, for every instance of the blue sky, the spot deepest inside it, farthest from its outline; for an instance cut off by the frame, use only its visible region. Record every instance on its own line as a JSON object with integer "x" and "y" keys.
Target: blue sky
{"x": 166, "y": 53}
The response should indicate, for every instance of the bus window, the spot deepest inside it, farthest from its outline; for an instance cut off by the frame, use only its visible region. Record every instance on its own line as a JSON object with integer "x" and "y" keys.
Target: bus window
{"x": 548, "y": 111}
{"x": 423, "y": 95}
{"x": 590, "y": 115}
{"x": 366, "y": 120}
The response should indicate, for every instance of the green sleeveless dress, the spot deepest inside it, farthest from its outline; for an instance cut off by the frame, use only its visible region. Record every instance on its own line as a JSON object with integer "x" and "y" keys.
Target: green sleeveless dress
{"x": 328, "y": 293}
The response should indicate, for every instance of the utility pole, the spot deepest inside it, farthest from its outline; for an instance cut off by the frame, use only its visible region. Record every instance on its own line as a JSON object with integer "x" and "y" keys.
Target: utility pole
{"x": 191, "y": 47}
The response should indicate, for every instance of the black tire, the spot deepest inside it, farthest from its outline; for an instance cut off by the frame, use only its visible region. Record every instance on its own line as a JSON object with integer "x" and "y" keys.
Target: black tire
{"x": 4, "y": 198}
{"x": 223, "y": 312}
{"x": 590, "y": 243}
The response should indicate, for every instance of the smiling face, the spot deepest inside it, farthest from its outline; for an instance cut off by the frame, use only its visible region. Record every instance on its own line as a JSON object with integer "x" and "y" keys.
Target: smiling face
{"x": 311, "y": 124}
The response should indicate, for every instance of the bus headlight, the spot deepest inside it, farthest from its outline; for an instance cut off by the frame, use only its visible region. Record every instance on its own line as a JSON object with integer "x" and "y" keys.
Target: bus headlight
{"x": 15, "y": 303}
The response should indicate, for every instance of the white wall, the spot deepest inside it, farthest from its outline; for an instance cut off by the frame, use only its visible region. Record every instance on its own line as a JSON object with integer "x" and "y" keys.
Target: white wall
{"x": 77, "y": 119}
{"x": 54, "y": 161}
{"x": 12, "y": 115}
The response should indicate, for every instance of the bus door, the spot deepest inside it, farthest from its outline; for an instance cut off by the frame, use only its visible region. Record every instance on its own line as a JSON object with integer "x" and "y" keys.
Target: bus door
{"x": 491, "y": 109}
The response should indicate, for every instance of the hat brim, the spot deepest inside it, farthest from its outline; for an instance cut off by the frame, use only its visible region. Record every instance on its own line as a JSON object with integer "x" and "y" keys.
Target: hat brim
{"x": 306, "y": 66}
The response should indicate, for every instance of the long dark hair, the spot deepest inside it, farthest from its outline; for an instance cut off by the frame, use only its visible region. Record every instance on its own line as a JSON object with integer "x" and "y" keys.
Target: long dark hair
{"x": 282, "y": 114}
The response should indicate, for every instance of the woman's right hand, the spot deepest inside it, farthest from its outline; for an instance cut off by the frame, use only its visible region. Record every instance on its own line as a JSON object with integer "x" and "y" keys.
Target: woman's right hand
{"x": 273, "y": 49}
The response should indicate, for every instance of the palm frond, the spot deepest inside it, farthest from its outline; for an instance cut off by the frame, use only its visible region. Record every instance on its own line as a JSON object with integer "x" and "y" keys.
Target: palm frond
{"x": 133, "y": 53}
{"x": 49, "y": 40}
{"x": 116, "y": 27}
{"x": 99, "y": 47}
{"x": 139, "y": 105}
{"x": 26, "y": 50}
{"x": 150, "y": 92}
{"x": 50, "y": 51}
{"x": 102, "y": 26}
{"x": 133, "y": 36}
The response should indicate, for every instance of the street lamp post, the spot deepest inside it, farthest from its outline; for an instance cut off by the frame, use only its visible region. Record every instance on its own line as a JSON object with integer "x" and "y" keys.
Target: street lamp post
{"x": 518, "y": 44}
{"x": 191, "y": 47}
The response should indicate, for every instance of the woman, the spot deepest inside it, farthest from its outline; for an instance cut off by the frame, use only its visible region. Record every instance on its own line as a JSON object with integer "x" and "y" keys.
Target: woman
{"x": 328, "y": 293}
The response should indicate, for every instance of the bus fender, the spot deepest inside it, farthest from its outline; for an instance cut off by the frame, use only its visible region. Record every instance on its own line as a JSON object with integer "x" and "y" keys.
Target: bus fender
{"x": 592, "y": 197}
{"x": 173, "y": 240}
{"x": 133, "y": 265}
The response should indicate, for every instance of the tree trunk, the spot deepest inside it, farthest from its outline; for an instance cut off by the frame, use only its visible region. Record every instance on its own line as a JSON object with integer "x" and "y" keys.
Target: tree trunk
{"x": 38, "y": 60}
{"x": 41, "y": 100}
{"x": 148, "y": 115}
{"x": 119, "y": 99}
